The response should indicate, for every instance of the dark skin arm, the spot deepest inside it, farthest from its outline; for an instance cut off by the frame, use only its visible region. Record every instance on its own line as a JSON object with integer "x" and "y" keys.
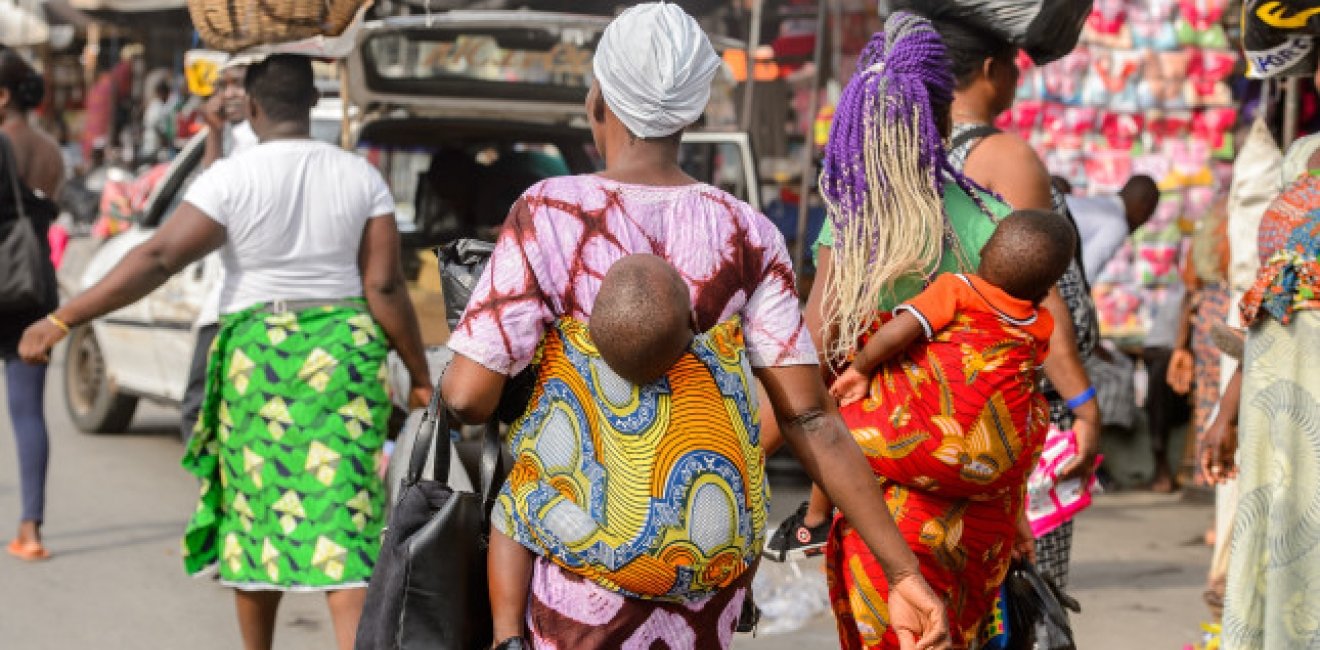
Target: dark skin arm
{"x": 386, "y": 291}
{"x": 185, "y": 237}
{"x": 1008, "y": 166}
{"x": 1181, "y": 364}
{"x": 821, "y": 441}
{"x": 471, "y": 390}
{"x": 1221, "y": 441}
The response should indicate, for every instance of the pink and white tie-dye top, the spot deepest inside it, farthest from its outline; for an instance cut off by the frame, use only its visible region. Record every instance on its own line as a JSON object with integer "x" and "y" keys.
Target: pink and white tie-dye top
{"x": 564, "y": 234}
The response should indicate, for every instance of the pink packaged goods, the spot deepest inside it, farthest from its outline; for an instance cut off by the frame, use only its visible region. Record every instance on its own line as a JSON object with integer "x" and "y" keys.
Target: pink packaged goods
{"x": 1050, "y": 502}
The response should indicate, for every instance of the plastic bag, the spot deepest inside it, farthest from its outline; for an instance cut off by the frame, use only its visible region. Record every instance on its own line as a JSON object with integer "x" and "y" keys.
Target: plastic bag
{"x": 1029, "y": 613}
{"x": 788, "y": 597}
{"x": 1045, "y": 29}
{"x": 461, "y": 264}
{"x": 1051, "y": 502}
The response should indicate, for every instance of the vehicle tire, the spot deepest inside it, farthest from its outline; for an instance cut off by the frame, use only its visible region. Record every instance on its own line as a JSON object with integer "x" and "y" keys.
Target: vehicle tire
{"x": 93, "y": 403}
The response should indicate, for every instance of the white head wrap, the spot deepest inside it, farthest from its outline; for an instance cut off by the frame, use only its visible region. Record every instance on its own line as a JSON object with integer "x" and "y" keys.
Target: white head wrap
{"x": 655, "y": 65}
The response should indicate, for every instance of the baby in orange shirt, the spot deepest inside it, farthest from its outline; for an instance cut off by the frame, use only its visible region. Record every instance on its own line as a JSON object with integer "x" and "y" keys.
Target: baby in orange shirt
{"x": 1015, "y": 274}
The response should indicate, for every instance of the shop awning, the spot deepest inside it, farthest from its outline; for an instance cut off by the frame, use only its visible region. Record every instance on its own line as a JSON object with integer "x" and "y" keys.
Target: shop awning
{"x": 22, "y": 27}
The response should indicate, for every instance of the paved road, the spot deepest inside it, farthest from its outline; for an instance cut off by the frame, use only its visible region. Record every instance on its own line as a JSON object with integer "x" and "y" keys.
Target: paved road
{"x": 117, "y": 504}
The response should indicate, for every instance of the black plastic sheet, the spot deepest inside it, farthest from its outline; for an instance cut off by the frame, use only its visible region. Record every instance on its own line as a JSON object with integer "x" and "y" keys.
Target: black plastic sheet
{"x": 1045, "y": 29}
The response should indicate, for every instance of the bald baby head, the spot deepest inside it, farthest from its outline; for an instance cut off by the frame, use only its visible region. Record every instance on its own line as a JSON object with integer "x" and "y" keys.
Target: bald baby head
{"x": 642, "y": 319}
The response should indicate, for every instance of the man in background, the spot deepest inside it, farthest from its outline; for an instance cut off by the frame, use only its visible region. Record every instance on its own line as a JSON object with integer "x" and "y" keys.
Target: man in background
{"x": 1106, "y": 221}
{"x": 228, "y": 134}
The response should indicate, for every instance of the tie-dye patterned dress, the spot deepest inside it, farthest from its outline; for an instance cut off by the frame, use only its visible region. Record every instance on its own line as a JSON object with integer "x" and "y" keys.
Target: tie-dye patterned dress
{"x": 646, "y": 504}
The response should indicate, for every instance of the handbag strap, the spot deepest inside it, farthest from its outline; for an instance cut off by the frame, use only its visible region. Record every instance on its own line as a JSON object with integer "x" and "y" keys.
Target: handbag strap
{"x": 492, "y": 465}
{"x": 974, "y": 133}
{"x": 434, "y": 419}
{"x": 435, "y": 427}
{"x": 10, "y": 163}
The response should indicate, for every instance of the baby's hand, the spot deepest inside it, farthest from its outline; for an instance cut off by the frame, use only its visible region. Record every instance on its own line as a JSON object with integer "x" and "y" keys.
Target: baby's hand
{"x": 850, "y": 387}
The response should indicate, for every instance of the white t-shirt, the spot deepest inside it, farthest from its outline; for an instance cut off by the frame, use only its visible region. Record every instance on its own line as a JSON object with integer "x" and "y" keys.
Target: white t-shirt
{"x": 1102, "y": 223}
{"x": 238, "y": 138}
{"x": 294, "y": 212}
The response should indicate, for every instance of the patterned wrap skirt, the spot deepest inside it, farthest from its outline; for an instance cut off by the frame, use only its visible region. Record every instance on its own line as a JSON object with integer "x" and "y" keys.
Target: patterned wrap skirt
{"x": 569, "y": 612}
{"x": 287, "y": 449}
{"x": 1272, "y": 601}
{"x": 952, "y": 431}
{"x": 646, "y": 504}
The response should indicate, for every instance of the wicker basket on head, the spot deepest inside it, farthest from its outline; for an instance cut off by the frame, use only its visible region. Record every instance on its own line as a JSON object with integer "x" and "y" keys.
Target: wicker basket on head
{"x": 233, "y": 25}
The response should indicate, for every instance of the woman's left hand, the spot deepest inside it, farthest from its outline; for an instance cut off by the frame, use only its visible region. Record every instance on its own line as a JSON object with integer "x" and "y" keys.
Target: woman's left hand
{"x": 37, "y": 341}
{"x": 1024, "y": 542}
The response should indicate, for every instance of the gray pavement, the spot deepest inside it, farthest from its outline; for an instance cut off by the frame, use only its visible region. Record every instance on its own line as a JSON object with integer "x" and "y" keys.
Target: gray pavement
{"x": 117, "y": 505}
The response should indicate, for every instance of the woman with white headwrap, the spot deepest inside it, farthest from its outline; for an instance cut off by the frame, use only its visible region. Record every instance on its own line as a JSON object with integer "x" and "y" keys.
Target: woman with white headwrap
{"x": 644, "y": 505}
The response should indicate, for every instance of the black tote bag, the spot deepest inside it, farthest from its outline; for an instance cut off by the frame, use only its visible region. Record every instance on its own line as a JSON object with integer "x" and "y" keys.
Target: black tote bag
{"x": 27, "y": 277}
{"x": 429, "y": 588}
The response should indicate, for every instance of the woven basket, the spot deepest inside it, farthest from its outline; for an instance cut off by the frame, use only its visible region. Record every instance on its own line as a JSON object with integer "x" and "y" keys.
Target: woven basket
{"x": 234, "y": 25}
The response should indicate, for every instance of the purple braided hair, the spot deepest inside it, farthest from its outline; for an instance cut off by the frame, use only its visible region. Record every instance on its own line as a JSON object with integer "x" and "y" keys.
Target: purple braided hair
{"x": 884, "y": 171}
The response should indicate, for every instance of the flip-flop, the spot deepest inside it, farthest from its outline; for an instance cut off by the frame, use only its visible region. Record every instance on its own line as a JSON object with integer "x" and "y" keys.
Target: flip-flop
{"x": 29, "y": 552}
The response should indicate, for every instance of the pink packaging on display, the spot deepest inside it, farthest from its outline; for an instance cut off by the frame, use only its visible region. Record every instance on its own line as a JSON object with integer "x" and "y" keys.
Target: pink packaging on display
{"x": 1050, "y": 503}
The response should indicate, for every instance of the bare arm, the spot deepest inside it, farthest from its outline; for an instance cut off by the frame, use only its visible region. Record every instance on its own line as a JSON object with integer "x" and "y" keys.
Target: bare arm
{"x": 1065, "y": 371}
{"x": 830, "y": 455}
{"x": 812, "y": 426}
{"x": 386, "y": 292}
{"x": 1217, "y": 455}
{"x": 892, "y": 337}
{"x": 471, "y": 390}
{"x": 1182, "y": 364}
{"x": 1007, "y": 165}
{"x": 186, "y": 237}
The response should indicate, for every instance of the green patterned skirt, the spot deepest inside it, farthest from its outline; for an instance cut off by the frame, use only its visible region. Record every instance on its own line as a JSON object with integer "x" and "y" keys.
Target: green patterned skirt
{"x": 287, "y": 448}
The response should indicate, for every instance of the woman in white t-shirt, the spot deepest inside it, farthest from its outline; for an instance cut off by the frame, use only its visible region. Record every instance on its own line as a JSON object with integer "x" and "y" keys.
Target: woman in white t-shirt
{"x": 296, "y": 403}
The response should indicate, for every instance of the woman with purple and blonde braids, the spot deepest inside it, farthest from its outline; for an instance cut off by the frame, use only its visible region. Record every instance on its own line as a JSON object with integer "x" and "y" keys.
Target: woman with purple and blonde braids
{"x": 952, "y": 427}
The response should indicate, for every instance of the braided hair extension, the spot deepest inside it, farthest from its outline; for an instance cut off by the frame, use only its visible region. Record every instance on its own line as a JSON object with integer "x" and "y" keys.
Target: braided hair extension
{"x": 884, "y": 171}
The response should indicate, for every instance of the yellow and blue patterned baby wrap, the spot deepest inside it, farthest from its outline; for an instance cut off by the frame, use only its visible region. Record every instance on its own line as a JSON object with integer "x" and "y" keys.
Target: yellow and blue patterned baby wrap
{"x": 653, "y": 491}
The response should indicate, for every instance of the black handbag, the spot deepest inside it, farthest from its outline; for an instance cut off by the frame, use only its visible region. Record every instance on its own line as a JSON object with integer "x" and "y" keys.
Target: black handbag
{"x": 27, "y": 277}
{"x": 1035, "y": 608}
{"x": 429, "y": 588}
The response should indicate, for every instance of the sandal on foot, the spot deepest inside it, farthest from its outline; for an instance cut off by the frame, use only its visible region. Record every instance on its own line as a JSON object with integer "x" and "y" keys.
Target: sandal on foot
{"x": 29, "y": 551}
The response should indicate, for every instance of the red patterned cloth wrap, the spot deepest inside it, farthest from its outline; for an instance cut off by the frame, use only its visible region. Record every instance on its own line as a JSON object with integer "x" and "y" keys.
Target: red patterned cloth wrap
{"x": 952, "y": 428}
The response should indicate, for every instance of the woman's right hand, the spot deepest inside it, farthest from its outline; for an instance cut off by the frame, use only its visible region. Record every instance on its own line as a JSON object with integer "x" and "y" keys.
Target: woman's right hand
{"x": 917, "y": 615}
{"x": 37, "y": 341}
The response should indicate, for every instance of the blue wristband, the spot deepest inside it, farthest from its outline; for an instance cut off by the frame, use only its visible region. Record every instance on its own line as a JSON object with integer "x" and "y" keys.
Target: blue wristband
{"x": 1086, "y": 396}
